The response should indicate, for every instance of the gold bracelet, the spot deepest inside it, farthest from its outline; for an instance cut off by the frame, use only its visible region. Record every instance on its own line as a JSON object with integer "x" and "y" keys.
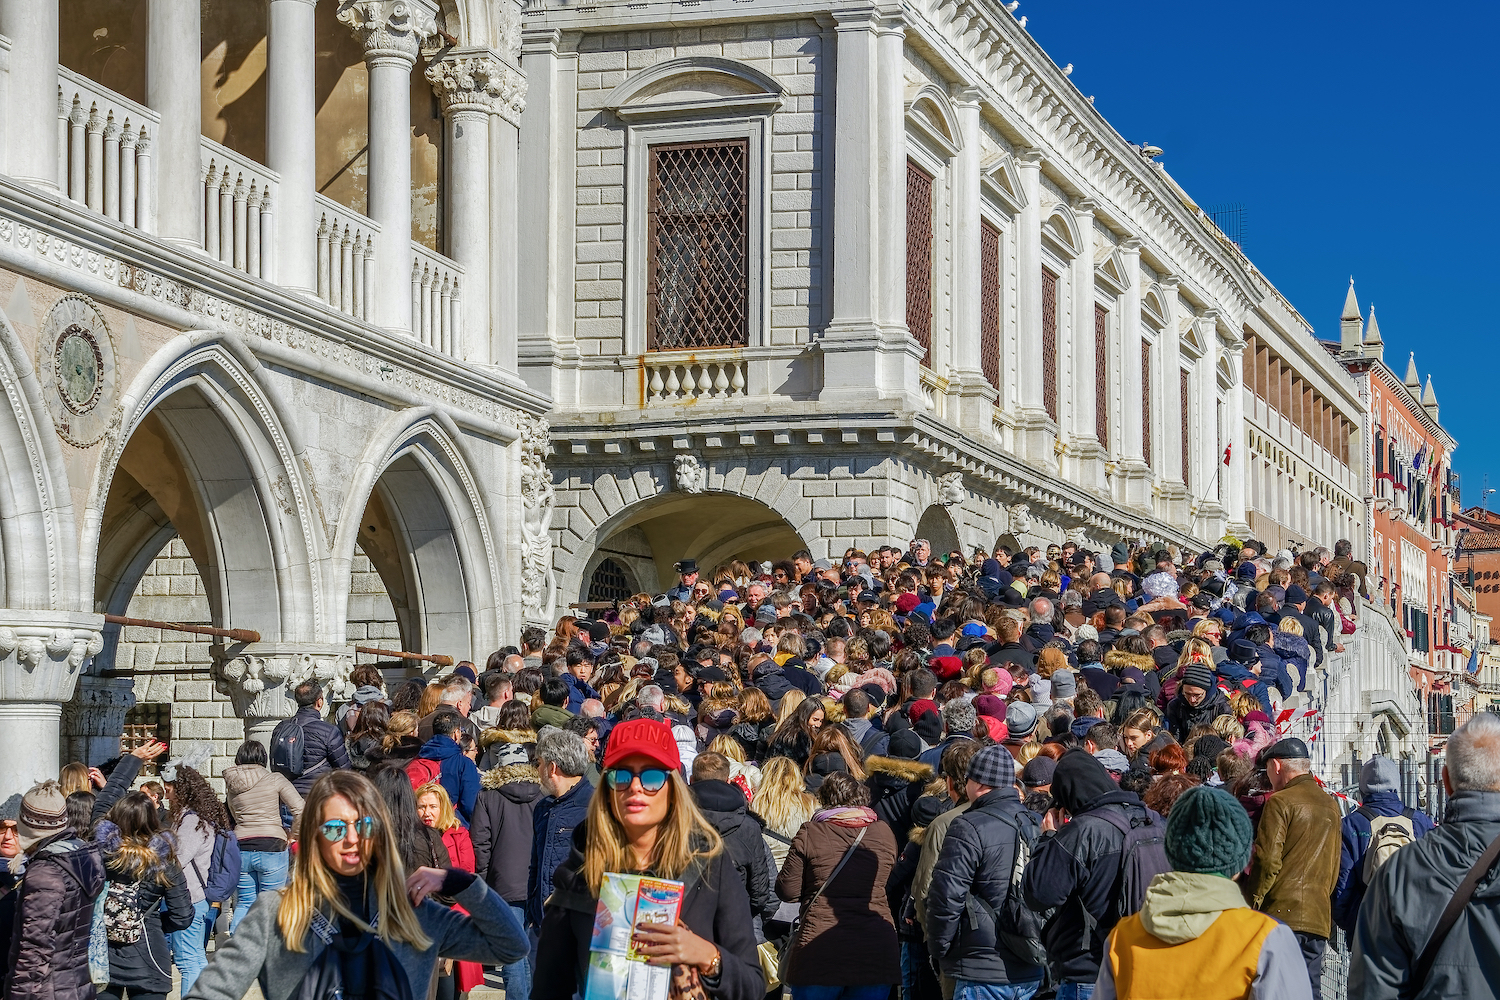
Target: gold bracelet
{"x": 714, "y": 967}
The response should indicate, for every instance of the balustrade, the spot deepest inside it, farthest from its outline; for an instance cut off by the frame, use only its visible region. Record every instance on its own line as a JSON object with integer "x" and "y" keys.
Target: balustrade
{"x": 688, "y": 378}
{"x": 238, "y": 196}
{"x": 436, "y": 315}
{"x": 104, "y": 151}
{"x": 346, "y": 258}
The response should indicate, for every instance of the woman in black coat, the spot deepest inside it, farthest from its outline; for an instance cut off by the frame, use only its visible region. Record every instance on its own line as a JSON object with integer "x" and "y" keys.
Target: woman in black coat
{"x": 142, "y": 868}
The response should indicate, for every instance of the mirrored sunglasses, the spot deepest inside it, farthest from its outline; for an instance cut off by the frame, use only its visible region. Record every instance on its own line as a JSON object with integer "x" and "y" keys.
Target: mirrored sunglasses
{"x": 652, "y": 778}
{"x": 336, "y": 830}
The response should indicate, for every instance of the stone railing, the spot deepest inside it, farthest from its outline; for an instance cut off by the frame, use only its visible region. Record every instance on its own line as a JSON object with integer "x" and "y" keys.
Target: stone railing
{"x": 686, "y": 377}
{"x": 346, "y": 258}
{"x": 238, "y": 195}
{"x": 934, "y": 392}
{"x": 436, "y": 313}
{"x": 104, "y": 151}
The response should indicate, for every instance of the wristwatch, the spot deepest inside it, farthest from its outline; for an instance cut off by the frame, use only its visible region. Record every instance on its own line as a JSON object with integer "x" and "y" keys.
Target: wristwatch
{"x": 714, "y": 967}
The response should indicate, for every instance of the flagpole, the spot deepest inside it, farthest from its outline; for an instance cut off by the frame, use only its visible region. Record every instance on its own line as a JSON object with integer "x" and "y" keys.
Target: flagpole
{"x": 1218, "y": 467}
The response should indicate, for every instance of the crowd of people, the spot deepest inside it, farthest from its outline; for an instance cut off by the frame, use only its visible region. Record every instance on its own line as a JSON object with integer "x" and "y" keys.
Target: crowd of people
{"x": 1043, "y": 773}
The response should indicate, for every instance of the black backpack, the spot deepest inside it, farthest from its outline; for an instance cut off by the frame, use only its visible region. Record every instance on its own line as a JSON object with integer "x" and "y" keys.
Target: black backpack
{"x": 1018, "y": 928}
{"x": 1142, "y": 858}
{"x": 288, "y": 742}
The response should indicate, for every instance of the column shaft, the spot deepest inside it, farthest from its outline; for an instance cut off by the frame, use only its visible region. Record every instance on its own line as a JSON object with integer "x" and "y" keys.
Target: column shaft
{"x": 966, "y": 250}
{"x": 31, "y": 117}
{"x": 390, "y": 186}
{"x": 505, "y": 320}
{"x": 174, "y": 89}
{"x": 855, "y": 189}
{"x": 1033, "y": 415}
{"x": 1081, "y": 281}
{"x": 891, "y": 158}
{"x": 291, "y": 138}
{"x": 1130, "y": 352}
{"x": 469, "y": 224}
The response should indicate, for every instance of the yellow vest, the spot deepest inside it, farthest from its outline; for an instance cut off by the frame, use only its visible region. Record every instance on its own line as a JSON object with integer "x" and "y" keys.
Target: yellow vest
{"x": 1219, "y": 965}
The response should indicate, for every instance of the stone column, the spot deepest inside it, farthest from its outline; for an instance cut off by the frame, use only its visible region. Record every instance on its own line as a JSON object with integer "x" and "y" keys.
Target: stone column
{"x": 93, "y": 721}
{"x": 42, "y": 654}
{"x": 1233, "y": 475}
{"x": 972, "y": 394}
{"x": 1084, "y": 456}
{"x": 1035, "y": 432}
{"x": 174, "y": 89}
{"x": 392, "y": 32}
{"x": 261, "y": 677}
{"x": 1133, "y": 476}
{"x": 291, "y": 138}
{"x": 31, "y": 112}
{"x": 473, "y": 84}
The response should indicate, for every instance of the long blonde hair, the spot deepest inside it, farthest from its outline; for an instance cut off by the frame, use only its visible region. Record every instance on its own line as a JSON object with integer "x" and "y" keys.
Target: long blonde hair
{"x": 447, "y": 818}
{"x": 782, "y": 799}
{"x": 684, "y": 837}
{"x": 312, "y": 888}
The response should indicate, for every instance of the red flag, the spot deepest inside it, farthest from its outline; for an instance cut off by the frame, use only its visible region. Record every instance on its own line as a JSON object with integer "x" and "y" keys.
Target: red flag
{"x": 1226, "y": 452}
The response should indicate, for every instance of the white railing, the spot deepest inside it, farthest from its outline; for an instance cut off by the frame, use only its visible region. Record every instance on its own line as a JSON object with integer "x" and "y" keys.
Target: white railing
{"x": 934, "y": 392}
{"x": 346, "y": 258}
{"x": 104, "y": 151}
{"x": 238, "y": 195}
{"x": 687, "y": 378}
{"x": 436, "y": 315}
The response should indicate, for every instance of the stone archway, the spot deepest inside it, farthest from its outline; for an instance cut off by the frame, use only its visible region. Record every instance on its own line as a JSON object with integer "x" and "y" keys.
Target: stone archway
{"x": 936, "y": 525}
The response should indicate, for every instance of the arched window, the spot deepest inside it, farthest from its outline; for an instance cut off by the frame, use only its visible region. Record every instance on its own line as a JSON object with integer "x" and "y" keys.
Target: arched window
{"x": 610, "y": 582}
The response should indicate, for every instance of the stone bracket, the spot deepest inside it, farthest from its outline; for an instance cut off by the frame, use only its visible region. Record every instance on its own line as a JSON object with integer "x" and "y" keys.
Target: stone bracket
{"x": 259, "y": 677}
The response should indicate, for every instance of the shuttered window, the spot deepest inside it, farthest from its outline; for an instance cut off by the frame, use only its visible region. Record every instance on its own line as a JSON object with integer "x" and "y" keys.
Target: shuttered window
{"x": 919, "y": 257}
{"x": 698, "y": 246}
{"x": 1049, "y": 343}
{"x": 989, "y": 303}
{"x": 1101, "y": 376}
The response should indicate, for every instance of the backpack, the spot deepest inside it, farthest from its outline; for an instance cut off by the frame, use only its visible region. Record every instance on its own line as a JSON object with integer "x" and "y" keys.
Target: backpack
{"x": 223, "y": 868}
{"x": 1018, "y": 928}
{"x": 1142, "y": 858}
{"x": 422, "y": 771}
{"x": 124, "y": 920}
{"x": 288, "y": 741}
{"x": 1388, "y": 834}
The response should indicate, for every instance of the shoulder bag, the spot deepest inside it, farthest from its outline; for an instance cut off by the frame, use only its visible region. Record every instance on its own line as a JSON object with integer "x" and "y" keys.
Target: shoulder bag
{"x": 786, "y": 956}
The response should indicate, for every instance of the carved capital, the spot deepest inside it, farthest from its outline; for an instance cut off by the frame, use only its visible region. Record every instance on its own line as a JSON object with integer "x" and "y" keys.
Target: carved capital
{"x": 390, "y": 28}
{"x": 42, "y": 653}
{"x": 261, "y": 677}
{"x": 478, "y": 80}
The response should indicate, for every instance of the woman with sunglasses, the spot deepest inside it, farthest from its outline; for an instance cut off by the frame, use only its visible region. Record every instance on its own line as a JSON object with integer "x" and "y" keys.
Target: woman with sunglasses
{"x": 352, "y": 923}
{"x": 642, "y": 819}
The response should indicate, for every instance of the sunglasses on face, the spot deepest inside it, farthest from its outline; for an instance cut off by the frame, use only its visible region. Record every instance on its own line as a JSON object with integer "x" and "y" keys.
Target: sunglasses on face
{"x": 336, "y": 830}
{"x": 652, "y": 778}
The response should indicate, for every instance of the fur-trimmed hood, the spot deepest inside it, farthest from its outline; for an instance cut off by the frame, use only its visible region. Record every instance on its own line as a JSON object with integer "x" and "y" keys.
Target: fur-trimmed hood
{"x": 498, "y": 777}
{"x": 1117, "y": 660}
{"x": 521, "y": 736}
{"x": 163, "y": 845}
{"x": 899, "y": 768}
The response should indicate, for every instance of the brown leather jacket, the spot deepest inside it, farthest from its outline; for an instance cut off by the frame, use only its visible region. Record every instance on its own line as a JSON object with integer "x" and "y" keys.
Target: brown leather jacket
{"x": 1296, "y": 861}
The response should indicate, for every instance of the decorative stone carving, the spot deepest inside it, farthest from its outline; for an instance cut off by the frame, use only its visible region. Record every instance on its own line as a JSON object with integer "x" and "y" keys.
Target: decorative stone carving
{"x": 951, "y": 492}
{"x": 1020, "y": 518}
{"x": 260, "y": 678}
{"x": 42, "y": 653}
{"x": 390, "y": 28}
{"x": 688, "y": 474}
{"x": 93, "y": 720}
{"x": 1076, "y": 535}
{"x": 508, "y": 31}
{"x": 78, "y": 372}
{"x": 538, "y": 582}
{"x": 478, "y": 80}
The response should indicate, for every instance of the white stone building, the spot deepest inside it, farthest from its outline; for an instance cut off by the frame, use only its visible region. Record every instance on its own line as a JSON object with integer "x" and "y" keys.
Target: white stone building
{"x": 842, "y": 273}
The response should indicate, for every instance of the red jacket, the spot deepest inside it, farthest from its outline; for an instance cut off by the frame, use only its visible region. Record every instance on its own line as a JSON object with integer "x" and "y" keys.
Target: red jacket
{"x": 460, "y": 847}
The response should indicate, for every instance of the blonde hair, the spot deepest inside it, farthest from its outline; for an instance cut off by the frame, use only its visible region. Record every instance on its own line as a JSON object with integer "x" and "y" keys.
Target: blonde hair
{"x": 1196, "y": 650}
{"x": 782, "y": 799}
{"x": 400, "y": 724}
{"x": 1290, "y": 626}
{"x": 684, "y": 836}
{"x": 754, "y": 705}
{"x": 447, "y": 818}
{"x": 74, "y": 777}
{"x": 789, "y": 703}
{"x": 432, "y": 697}
{"x": 1027, "y": 752}
{"x": 1228, "y": 729}
{"x": 730, "y": 747}
{"x": 312, "y": 888}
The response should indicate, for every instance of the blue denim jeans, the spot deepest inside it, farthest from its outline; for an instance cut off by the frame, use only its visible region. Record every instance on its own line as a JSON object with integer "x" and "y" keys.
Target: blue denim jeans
{"x": 840, "y": 992}
{"x": 260, "y": 871}
{"x": 189, "y": 945}
{"x": 1075, "y": 991}
{"x": 967, "y": 989}
{"x": 517, "y": 975}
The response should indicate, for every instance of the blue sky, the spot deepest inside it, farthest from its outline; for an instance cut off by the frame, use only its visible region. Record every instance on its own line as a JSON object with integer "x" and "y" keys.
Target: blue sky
{"x": 1362, "y": 138}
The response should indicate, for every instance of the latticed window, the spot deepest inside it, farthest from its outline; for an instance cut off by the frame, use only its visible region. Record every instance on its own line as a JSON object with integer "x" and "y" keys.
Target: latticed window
{"x": 1049, "y": 343}
{"x": 919, "y": 257}
{"x": 1146, "y": 401}
{"x": 609, "y": 582}
{"x": 989, "y": 303}
{"x": 1101, "y": 376}
{"x": 1182, "y": 402}
{"x": 698, "y": 244}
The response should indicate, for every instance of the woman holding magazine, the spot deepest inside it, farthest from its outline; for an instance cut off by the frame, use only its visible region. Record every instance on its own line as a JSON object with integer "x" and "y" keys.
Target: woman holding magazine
{"x": 642, "y": 820}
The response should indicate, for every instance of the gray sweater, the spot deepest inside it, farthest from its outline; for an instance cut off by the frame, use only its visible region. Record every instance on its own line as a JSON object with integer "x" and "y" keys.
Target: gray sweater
{"x": 490, "y": 934}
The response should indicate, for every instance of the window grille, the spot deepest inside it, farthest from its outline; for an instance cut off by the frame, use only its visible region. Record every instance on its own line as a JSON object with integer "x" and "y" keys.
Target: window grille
{"x": 698, "y": 246}
{"x": 1049, "y": 343}
{"x": 609, "y": 582}
{"x": 989, "y": 303}
{"x": 1101, "y": 376}
{"x": 1182, "y": 403}
{"x": 919, "y": 257}
{"x": 1146, "y": 402}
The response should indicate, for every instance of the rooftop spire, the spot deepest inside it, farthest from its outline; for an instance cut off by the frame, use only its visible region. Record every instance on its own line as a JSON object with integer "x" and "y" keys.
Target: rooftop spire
{"x": 1372, "y": 329}
{"x": 1429, "y": 398}
{"x": 1351, "y": 304}
{"x": 1413, "y": 380}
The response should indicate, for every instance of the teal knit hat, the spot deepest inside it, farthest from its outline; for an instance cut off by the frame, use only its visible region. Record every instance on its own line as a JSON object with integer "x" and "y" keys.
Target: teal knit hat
{"x": 1209, "y": 832}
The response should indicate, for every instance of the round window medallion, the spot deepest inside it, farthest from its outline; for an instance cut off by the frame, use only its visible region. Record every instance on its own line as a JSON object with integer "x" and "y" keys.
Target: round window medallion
{"x": 78, "y": 369}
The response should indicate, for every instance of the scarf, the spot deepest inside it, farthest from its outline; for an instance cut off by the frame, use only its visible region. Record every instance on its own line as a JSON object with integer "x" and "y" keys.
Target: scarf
{"x": 851, "y": 816}
{"x": 356, "y": 964}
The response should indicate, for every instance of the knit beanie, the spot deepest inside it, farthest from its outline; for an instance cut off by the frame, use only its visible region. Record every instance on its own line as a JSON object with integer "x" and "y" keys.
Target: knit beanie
{"x": 1209, "y": 832}
{"x": 905, "y": 744}
{"x": 1380, "y": 774}
{"x": 44, "y": 813}
{"x": 1064, "y": 684}
{"x": 1198, "y": 676}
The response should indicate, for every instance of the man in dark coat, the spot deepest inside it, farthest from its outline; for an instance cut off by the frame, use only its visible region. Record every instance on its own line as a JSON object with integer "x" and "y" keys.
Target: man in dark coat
{"x": 727, "y": 811}
{"x": 1379, "y": 783}
{"x": 323, "y": 747}
{"x": 562, "y": 760}
{"x": 978, "y": 856}
{"x": 504, "y": 821}
{"x": 1077, "y": 866}
{"x": 1198, "y": 701}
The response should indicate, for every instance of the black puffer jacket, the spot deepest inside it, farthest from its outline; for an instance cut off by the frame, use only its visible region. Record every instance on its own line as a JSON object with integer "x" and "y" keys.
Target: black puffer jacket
{"x": 895, "y": 785}
{"x": 49, "y": 951}
{"x": 146, "y": 964}
{"x": 978, "y": 856}
{"x": 322, "y": 752}
{"x": 1075, "y": 869}
{"x": 502, "y": 829}
{"x": 724, "y": 806}
{"x": 1182, "y": 717}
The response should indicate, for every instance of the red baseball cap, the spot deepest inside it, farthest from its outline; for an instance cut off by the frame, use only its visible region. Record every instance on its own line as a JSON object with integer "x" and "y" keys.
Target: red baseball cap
{"x": 643, "y": 736}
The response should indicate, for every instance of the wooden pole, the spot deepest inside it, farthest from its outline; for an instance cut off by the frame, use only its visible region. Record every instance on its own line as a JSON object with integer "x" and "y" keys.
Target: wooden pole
{"x": 396, "y": 654}
{"x": 237, "y": 634}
